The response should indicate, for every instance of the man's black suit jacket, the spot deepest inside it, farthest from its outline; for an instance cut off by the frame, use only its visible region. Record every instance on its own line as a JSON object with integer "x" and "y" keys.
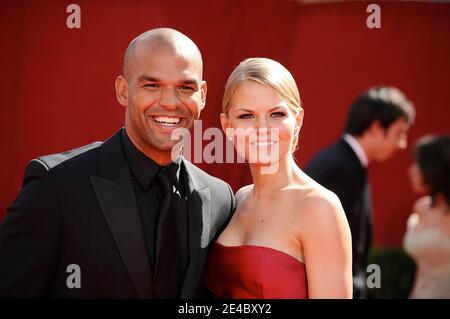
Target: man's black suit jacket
{"x": 79, "y": 208}
{"x": 338, "y": 169}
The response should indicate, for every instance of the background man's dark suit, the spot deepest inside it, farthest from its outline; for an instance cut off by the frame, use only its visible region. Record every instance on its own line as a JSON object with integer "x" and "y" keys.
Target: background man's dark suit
{"x": 79, "y": 208}
{"x": 338, "y": 168}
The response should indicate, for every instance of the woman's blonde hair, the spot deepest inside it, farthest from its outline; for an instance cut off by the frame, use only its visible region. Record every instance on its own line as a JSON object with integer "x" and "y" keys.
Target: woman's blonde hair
{"x": 268, "y": 73}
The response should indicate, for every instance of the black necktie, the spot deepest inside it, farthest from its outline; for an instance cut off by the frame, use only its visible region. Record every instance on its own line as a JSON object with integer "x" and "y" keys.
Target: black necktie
{"x": 168, "y": 275}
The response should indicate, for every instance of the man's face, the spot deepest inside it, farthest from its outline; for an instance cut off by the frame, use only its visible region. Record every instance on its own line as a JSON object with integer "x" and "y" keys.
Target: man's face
{"x": 389, "y": 141}
{"x": 165, "y": 92}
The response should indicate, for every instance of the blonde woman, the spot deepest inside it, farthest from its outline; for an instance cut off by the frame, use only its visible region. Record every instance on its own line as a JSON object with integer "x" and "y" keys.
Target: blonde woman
{"x": 289, "y": 237}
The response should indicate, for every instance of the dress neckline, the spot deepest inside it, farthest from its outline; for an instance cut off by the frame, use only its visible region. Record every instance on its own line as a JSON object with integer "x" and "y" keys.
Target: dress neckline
{"x": 260, "y": 247}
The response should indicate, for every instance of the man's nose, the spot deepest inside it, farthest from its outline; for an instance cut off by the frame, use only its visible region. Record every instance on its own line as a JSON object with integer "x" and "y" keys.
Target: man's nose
{"x": 169, "y": 98}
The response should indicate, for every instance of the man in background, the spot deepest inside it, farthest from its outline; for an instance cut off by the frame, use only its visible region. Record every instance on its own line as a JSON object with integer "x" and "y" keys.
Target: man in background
{"x": 376, "y": 128}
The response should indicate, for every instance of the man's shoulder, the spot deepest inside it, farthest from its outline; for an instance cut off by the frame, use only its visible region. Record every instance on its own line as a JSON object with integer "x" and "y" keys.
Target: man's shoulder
{"x": 81, "y": 160}
{"x": 52, "y": 160}
{"x": 333, "y": 155}
{"x": 337, "y": 148}
{"x": 73, "y": 161}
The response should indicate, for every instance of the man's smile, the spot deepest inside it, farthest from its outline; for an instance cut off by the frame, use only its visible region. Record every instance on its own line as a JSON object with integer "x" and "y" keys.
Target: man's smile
{"x": 168, "y": 121}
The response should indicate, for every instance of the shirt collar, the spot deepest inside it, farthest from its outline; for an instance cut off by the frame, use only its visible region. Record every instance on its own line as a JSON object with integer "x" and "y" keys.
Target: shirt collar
{"x": 143, "y": 167}
{"x": 356, "y": 147}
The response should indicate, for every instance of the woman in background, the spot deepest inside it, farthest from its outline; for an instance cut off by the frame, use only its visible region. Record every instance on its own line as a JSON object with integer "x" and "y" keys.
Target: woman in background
{"x": 289, "y": 236}
{"x": 427, "y": 239}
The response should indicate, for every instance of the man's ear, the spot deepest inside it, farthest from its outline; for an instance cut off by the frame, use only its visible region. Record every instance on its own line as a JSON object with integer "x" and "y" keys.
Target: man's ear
{"x": 375, "y": 129}
{"x": 203, "y": 89}
{"x": 122, "y": 90}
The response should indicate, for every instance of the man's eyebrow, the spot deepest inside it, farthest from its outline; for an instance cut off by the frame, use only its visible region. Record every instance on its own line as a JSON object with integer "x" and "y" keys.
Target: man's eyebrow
{"x": 189, "y": 81}
{"x": 147, "y": 78}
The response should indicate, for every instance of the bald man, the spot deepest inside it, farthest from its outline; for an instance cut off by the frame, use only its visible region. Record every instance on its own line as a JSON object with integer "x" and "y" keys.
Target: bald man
{"x": 124, "y": 218}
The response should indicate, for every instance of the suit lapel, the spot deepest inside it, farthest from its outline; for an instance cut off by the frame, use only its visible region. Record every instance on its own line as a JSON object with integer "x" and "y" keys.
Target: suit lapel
{"x": 115, "y": 194}
{"x": 199, "y": 214}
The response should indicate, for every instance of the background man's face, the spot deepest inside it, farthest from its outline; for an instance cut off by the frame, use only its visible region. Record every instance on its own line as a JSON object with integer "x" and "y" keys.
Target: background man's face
{"x": 165, "y": 92}
{"x": 391, "y": 140}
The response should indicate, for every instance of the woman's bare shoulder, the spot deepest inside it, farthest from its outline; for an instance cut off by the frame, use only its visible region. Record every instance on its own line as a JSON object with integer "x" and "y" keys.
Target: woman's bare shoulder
{"x": 319, "y": 206}
{"x": 319, "y": 198}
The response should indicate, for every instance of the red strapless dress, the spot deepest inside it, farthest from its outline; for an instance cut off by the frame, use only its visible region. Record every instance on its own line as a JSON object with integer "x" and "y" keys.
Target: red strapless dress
{"x": 249, "y": 271}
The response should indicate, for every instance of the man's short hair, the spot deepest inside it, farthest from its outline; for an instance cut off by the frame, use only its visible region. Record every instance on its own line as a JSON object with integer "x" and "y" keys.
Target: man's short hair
{"x": 382, "y": 104}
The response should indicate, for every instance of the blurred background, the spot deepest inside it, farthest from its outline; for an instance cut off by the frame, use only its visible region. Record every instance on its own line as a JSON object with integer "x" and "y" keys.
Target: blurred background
{"x": 57, "y": 83}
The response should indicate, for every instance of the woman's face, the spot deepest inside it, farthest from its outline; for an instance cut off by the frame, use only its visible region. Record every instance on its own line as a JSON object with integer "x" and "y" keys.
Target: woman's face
{"x": 416, "y": 179}
{"x": 262, "y": 124}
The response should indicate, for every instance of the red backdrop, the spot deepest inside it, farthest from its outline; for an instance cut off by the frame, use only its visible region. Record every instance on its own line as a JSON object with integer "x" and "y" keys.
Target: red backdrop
{"x": 57, "y": 84}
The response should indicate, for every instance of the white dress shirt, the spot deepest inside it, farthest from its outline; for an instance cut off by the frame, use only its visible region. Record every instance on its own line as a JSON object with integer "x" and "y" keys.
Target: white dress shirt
{"x": 356, "y": 147}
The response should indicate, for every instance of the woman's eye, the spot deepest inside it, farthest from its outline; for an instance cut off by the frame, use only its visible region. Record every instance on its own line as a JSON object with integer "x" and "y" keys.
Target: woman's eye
{"x": 245, "y": 116}
{"x": 278, "y": 114}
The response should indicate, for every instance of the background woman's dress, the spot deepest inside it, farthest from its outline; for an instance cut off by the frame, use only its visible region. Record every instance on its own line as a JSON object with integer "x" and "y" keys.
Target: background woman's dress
{"x": 430, "y": 248}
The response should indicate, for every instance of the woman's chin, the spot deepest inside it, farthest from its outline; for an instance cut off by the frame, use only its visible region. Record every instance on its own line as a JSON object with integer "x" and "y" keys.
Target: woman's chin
{"x": 264, "y": 162}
